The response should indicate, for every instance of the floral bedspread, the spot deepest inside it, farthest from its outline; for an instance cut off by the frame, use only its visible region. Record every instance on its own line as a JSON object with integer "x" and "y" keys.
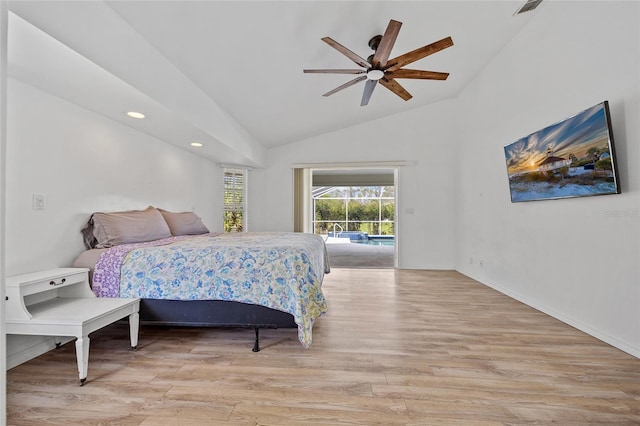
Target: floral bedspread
{"x": 282, "y": 271}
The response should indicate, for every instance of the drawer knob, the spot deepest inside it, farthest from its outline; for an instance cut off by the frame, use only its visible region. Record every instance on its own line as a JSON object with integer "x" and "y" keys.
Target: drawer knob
{"x": 52, "y": 282}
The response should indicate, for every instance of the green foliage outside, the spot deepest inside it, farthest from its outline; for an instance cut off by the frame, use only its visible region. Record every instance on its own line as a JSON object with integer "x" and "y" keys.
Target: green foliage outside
{"x": 232, "y": 221}
{"x": 356, "y": 209}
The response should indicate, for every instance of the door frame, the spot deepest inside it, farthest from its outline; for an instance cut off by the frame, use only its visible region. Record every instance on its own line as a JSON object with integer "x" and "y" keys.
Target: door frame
{"x": 303, "y": 184}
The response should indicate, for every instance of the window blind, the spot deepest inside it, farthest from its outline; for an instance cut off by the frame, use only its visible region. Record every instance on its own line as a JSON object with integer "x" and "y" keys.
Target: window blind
{"x": 235, "y": 200}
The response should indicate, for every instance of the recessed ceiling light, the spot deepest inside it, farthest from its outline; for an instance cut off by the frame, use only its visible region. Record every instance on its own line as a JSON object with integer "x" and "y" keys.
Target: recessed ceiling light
{"x": 134, "y": 114}
{"x": 198, "y": 144}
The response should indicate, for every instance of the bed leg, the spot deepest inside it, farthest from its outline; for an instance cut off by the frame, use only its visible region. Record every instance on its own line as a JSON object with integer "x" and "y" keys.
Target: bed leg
{"x": 256, "y": 345}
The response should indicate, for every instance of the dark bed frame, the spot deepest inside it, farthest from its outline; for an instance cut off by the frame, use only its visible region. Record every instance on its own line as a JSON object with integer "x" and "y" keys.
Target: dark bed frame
{"x": 214, "y": 313}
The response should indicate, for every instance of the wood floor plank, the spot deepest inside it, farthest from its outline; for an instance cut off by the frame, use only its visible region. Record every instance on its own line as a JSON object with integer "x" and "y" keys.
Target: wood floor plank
{"x": 397, "y": 347}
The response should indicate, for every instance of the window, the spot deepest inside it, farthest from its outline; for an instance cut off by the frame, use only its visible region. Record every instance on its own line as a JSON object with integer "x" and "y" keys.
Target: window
{"x": 235, "y": 200}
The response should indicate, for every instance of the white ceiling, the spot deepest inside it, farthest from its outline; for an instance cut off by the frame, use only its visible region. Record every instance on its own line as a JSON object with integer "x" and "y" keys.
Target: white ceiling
{"x": 229, "y": 73}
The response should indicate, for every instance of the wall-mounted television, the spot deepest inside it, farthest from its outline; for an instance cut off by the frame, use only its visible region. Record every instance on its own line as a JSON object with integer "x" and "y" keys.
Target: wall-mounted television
{"x": 574, "y": 157}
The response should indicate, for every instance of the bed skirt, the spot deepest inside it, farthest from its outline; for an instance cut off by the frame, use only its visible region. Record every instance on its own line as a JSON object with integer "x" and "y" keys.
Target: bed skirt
{"x": 212, "y": 313}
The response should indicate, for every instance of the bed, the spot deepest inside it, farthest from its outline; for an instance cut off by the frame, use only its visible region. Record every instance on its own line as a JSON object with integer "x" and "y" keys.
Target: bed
{"x": 187, "y": 276}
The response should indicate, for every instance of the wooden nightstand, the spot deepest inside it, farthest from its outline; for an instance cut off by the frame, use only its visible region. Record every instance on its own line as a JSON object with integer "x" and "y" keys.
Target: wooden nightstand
{"x": 59, "y": 302}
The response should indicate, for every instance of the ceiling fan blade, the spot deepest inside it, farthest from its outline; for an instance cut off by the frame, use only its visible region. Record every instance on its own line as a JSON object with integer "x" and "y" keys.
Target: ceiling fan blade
{"x": 383, "y": 51}
{"x": 368, "y": 91}
{"x": 334, "y": 71}
{"x": 347, "y": 84}
{"x": 396, "y": 88}
{"x": 422, "y": 52}
{"x": 346, "y": 52}
{"x": 419, "y": 74}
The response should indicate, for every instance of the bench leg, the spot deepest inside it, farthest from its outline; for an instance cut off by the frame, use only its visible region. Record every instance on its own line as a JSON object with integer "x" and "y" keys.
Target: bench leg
{"x": 134, "y": 326}
{"x": 82, "y": 356}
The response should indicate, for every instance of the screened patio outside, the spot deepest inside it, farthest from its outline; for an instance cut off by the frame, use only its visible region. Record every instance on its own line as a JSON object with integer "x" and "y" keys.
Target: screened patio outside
{"x": 365, "y": 209}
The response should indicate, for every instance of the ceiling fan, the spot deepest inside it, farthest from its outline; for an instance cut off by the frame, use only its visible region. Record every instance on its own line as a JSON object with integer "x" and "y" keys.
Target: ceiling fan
{"x": 379, "y": 68}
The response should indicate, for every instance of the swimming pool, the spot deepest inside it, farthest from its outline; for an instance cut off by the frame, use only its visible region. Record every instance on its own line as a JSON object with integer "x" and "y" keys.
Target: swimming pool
{"x": 376, "y": 242}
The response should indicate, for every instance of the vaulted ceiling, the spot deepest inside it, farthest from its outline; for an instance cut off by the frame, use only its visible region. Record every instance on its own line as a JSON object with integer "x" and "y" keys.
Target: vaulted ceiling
{"x": 229, "y": 73}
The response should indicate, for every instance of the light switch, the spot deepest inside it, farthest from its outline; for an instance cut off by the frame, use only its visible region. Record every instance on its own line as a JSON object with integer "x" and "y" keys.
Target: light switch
{"x": 38, "y": 202}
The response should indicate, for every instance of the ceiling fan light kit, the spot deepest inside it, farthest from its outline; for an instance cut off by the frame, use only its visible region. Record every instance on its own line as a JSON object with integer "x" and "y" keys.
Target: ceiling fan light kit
{"x": 375, "y": 74}
{"x": 379, "y": 68}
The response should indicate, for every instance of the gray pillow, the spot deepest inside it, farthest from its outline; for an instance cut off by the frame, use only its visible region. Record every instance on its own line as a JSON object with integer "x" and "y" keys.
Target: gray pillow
{"x": 134, "y": 226}
{"x": 185, "y": 223}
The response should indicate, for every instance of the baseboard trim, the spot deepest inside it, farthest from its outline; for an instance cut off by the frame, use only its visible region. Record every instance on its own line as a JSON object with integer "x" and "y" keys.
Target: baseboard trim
{"x": 34, "y": 351}
{"x": 598, "y": 334}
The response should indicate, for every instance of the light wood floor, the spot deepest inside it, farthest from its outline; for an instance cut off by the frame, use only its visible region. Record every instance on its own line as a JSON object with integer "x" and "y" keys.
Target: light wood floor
{"x": 397, "y": 347}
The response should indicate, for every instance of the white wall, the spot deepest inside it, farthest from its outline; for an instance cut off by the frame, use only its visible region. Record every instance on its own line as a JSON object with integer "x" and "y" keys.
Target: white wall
{"x": 576, "y": 259}
{"x": 423, "y": 137}
{"x": 83, "y": 162}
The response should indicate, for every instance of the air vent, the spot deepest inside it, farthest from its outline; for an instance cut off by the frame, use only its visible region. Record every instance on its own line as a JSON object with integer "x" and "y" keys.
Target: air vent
{"x": 528, "y": 6}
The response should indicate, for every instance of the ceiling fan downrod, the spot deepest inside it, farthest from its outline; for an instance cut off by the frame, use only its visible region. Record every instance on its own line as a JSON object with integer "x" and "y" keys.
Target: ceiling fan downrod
{"x": 374, "y": 42}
